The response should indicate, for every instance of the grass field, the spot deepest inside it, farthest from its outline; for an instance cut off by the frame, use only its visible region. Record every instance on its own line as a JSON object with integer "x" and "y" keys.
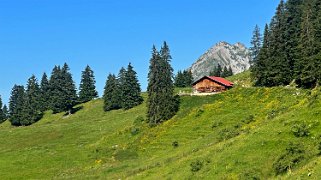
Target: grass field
{"x": 239, "y": 134}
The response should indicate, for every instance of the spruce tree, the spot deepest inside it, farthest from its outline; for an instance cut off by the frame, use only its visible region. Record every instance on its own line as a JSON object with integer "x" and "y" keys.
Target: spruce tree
{"x": 56, "y": 90}
{"x": 87, "y": 88}
{"x": 161, "y": 103}
{"x": 5, "y": 112}
{"x": 2, "y": 114}
{"x": 44, "y": 89}
{"x": 225, "y": 72}
{"x": 16, "y": 104}
{"x": 131, "y": 92}
{"x": 69, "y": 90}
{"x": 121, "y": 82}
{"x": 188, "y": 78}
{"x": 217, "y": 71}
{"x": 230, "y": 71}
{"x": 112, "y": 94}
{"x": 31, "y": 112}
{"x": 256, "y": 43}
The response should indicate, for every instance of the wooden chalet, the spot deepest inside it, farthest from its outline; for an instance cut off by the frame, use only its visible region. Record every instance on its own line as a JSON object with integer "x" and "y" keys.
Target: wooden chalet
{"x": 209, "y": 84}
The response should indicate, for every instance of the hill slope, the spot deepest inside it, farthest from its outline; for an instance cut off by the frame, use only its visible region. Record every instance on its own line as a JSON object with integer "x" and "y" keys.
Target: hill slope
{"x": 234, "y": 135}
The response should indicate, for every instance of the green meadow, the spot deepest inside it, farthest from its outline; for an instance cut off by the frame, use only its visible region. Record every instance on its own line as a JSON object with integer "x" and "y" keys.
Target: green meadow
{"x": 245, "y": 133}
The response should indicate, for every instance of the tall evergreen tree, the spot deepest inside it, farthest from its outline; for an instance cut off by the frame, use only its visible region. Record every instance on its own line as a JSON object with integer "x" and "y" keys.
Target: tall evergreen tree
{"x": 5, "y": 112}
{"x": 87, "y": 88}
{"x": 188, "y": 78}
{"x": 225, "y": 72}
{"x": 31, "y": 112}
{"x": 217, "y": 71}
{"x": 112, "y": 94}
{"x": 44, "y": 89}
{"x": 69, "y": 89}
{"x": 179, "y": 79}
{"x": 256, "y": 44}
{"x": 121, "y": 81}
{"x": 161, "y": 103}
{"x": 56, "y": 90}
{"x": 16, "y": 103}
{"x": 2, "y": 114}
{"x": 131, "y": 92}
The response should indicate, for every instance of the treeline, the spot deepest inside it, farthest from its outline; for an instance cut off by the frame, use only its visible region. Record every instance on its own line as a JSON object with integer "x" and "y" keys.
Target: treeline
{"x": 291, "y": 49}
{"x": 218, "y": 71}
{"x": 58, "y": 93}
{"x": 183, "y": 79}
{"x": 123, "y": 91}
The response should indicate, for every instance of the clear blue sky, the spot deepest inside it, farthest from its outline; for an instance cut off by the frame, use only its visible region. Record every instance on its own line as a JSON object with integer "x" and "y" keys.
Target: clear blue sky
{"x": 35, "y": 35}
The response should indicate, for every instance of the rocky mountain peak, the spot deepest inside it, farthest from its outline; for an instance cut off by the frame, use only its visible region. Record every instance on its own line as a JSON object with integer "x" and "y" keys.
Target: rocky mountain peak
{"x": 236, "y": 56}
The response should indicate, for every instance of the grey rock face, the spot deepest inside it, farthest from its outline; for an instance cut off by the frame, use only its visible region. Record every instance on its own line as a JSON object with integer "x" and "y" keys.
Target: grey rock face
{"x": 236, "y": 56}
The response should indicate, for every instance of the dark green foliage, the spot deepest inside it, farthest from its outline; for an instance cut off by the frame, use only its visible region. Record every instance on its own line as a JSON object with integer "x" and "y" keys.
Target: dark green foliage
{"x": 112, "y": 94}
{"x": 31, "y": 112}
{"x": 62, "y": 90}
{"x": 5, "y": 112}
{"x": 161, "y": 103}
{"x": 175, "y": 144}
{"x": 2, "y": 114}
{"x": 217, "y": 71}
{"x": 227, "y": 72}
{"x": 44, "y": 89}
{"x": 292, "y": 46}
{"x": 256, "y": 43}
{"x": 87, "y": 88}
{"x": 130, "y": 87}
{"x": 294, "y": 154}
{"x": 301, "y": 129}
{"x": 184, "y": 79}
{"x": 16, "y": 103}
{"x": 196, "y": 165}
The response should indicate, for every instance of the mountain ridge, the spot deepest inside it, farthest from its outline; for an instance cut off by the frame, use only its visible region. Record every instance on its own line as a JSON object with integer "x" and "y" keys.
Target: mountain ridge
{"x": 236, "y": 56}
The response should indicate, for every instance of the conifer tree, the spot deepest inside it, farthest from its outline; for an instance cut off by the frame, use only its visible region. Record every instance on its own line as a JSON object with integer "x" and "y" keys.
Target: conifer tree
{"x": 230, "y": 71}
{"x": 31, "y": 112}
{"x": 161, "y": 103}
{"x": 256, "y": 43}
{"x": 5, "y": 112}
{"x": 69, "y": 90}
{"x": 188, "y": 78}
{"x": 2, "y": 114}
{"x": 112, "y": 98}
{"x": 131, "y": 92}
{"x": 121, "y": 82}
{"x": 87, "y": 88}
{"x": 16, "y": 103}
{"x": 217, "y": 71}
{"x": 225, "y": 72}
{"x": 179, "y": 79}
{"x": 44, "y": 89}
{"x": 56, "y": 90}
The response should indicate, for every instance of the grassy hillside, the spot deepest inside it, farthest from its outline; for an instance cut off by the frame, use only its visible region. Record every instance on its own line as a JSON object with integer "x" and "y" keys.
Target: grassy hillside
{"x": 239, "y": 134}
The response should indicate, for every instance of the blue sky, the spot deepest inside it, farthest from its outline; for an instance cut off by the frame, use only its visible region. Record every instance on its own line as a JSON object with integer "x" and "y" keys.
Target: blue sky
{"x": 35, "y": 35}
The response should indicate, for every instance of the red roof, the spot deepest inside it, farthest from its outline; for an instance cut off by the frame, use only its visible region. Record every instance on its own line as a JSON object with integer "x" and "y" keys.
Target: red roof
{"x": 219, "y": 80}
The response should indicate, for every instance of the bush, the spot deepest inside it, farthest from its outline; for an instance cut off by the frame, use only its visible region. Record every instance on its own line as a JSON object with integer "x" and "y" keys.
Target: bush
{"x": 134, "y": 131}
{"x": 139, "y": 120}
{"x": 294, "y": 154}
{"x": 196, "y": 165}
{"x": 175, "y": 144}
{"x": 199, "y": 112}
{"x": 228, "y": 133}
{"x": 301, "y": 129}
{"x": 249, "y": 119}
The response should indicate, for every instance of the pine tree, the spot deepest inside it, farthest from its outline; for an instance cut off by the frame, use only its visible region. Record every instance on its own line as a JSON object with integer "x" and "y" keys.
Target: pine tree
{"x": 87, "y": 88}
{"x": 256, "y": 43}
{"x": 56, "y": 90}
{"x": 2, "y": 114}
{"x": 179, "y": 79}
{"x": 44, "y": 89}
{"x": 121, "y": 82}
{"x": 217, "y": 71}
{"x": 131, "y": 92}
{"x": 31, "y": 112}
{"x": 16, "y": 103}
{"x": 230, "y": 71}
{"x": 69, "y": 90}
{"x": 260, "y": 66}
{"x": 188, "y": 78}
{"x": 225, "y": 72}
{"x": 5, "y": 112}
{"x": 112, "y": 98}
{"x": 161, "y": 103}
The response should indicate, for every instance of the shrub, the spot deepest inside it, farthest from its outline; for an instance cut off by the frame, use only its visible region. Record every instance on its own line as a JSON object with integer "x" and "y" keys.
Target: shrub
{"x": 175, "y": 144}
{"x": 196, "y": 165}
{"x": 139, "y": 120}
{"x": 228, "y": 133}
{"x": 301, "y": 129}
{"x": 249, "y": 119}
{"x": 293, "y": 155}
{"x": 134, "y": 131}
{"x": 199, "y": 112}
